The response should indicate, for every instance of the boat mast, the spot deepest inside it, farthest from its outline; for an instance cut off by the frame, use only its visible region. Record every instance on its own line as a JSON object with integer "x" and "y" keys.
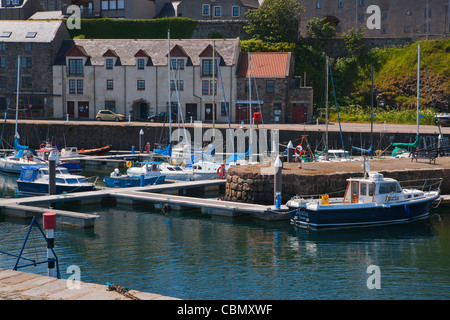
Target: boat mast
{"x": 168, "y": 77}
{"x": 326, "y": 115}
{"x": 418, "y": 86}
{"x": 250, "y": 147}
{"x": 214, "y": 90}
{"x": 371, "y": 111}
{"x": 16, "y": 133}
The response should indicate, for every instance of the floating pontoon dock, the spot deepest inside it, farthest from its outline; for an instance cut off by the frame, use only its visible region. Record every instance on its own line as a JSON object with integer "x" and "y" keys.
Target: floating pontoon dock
{"x": 28, "y": 206}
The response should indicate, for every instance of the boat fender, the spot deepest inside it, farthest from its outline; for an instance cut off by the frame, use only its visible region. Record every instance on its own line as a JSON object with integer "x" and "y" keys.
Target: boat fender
{"x": 299, "y": 150}
{"x": 129, "y": 164}
{"x": 406, "y": 209}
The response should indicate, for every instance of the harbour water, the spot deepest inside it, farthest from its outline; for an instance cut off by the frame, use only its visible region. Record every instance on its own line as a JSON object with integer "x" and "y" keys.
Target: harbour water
{"x": 190, "y": 255}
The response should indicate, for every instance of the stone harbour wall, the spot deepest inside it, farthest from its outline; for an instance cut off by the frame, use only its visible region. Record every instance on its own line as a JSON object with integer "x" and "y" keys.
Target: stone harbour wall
{"x": 248, "y": 184}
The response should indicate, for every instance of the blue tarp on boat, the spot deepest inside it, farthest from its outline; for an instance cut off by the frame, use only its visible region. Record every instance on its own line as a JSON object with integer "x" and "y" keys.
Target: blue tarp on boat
{"x": 166, "y": 152}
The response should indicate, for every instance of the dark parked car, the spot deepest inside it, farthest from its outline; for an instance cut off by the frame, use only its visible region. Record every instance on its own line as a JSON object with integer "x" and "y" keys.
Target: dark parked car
{"x": 162, "y": 117}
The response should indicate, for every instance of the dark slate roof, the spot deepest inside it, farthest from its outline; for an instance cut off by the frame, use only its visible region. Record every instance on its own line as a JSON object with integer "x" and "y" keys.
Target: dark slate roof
{"x": 250, "y": 3}
{"x": 157, "y": 49}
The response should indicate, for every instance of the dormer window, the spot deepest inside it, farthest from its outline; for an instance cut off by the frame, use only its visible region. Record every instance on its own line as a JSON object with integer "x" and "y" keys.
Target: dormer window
{"x": 76, "y": 67}
{"x": 177, "y": 64}
{"x": 109, "y": 63}
{"x": 142, "y": 59}
{"x": 141, "y": 64}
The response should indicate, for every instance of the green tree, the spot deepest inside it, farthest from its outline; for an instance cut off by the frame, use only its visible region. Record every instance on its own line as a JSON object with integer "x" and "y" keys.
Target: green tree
{"x": 275, "y": 21}
{"x": 353, "y": 41}
{"x": 319, "y": 32}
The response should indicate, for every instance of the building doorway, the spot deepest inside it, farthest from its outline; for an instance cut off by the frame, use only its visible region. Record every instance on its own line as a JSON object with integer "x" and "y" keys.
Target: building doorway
{"x": 141, "y": 110}
{"x": 209, "y": 112}
{"x": 191, "y": 111}
{"x": 83, "y": 109}
{"x": 299, "y": 113}
{"x": 71, "y": 108}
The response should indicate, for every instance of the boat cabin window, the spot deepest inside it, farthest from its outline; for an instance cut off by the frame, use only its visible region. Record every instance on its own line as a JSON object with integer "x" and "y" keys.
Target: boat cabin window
{"x": 44, "y": 171}
{"x": 389, "y": 188}
{"x": 363, "y": 189}
{"x": 82, "y": 180}
{"x": 71, "y": 180}
{"x": 154, "y": 167}
{"x": 178, "y": 169}
{"x": 60, "y": 180}
{"x": 371, "y": 189}
{"x": 28, "y": 175}
{"x": 170, "y": 169}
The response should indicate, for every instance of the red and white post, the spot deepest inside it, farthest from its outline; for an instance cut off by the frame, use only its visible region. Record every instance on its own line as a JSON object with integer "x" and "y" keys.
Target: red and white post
{"x": 49, "y": 224}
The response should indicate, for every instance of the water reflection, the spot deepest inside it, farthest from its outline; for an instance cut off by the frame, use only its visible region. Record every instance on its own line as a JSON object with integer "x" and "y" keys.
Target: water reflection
{"x": 191, "y": 255}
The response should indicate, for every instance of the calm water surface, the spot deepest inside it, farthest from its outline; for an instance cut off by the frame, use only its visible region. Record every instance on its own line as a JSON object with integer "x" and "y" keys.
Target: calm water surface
{"x": 189, "y": 255}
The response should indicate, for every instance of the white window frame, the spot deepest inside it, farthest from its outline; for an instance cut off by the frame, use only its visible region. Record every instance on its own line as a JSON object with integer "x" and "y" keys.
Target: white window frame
{"x": 203, "y": 10}
{"x": 232, "y": 11}
{"x": 220, "y": 11}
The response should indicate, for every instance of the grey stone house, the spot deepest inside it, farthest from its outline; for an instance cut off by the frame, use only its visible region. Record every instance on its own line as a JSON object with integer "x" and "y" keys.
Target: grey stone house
{"x": 214, "y": 9}
{"x": 37, "y": 43}
{"x": 269, "y": 86}
{"x": 397, "y": 18}
{"x": 24, "y": 9}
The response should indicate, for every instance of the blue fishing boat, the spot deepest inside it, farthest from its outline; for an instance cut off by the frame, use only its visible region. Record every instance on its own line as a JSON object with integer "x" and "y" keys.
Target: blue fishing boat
{"x": 147, "y": 174}
{"x": 34, "y": 179}
{"x": 369, "y": 200}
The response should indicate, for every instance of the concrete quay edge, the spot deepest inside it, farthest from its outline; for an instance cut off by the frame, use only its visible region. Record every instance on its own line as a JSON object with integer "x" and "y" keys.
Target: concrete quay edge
{"x": 18, "y": 285}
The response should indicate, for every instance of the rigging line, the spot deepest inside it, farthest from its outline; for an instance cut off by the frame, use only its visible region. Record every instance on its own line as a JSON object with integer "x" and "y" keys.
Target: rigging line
{"x": 259, "y": 105}
{"x": 227, "y": 106}
{"x": 178, "y": 102}
{"x": 337, "y": 109}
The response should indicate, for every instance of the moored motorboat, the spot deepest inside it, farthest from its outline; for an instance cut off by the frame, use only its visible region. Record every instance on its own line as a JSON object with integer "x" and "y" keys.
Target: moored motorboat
{"x": 34, "y": 179}
{"x": 67, "y": 157}
{"x": 369, "y": 200}
{"x": 146, "y": 174}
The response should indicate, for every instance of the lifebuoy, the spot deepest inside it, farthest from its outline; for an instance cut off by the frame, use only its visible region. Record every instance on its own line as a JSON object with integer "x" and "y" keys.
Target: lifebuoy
{"x": 221, "y": 171}
{"x": 129, "y": 164}
{"x": 299, "y": 150}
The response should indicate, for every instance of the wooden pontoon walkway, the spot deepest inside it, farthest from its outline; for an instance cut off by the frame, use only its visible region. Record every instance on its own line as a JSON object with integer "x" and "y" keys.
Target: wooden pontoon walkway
{"x": 28, "y": 206}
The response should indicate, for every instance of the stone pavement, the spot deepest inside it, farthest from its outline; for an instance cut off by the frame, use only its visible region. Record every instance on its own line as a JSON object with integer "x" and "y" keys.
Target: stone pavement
{"x": 17, "y": 285}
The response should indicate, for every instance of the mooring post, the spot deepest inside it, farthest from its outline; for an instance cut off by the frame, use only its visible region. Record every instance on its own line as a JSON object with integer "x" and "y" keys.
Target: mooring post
{"x": 141, "y": 134}
{"x": 278, "y": 166}
{"x": 49, "y": 225}
{"x": 290, "y": 152}
{"x": 52, "y": 173}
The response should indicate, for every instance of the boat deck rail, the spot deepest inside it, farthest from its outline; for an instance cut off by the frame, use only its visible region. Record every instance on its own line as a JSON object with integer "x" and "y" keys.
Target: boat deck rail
{"x": 425, "y": 185}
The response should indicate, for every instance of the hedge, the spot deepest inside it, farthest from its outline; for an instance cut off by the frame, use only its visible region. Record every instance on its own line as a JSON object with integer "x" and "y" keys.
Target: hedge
{"x": 180, "y": 28}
